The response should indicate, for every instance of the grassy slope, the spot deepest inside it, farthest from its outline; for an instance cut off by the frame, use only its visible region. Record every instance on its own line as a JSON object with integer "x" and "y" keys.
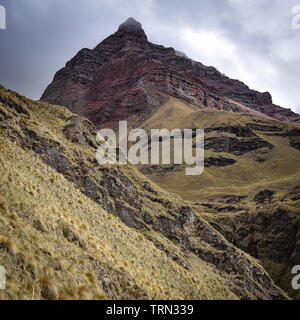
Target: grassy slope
{"x": 57, "y": 243}
{"x": 280, "y": 172}
{"x": 33, "y": 214}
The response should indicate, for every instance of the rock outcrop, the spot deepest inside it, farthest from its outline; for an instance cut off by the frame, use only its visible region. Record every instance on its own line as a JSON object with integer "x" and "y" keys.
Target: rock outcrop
{"x": 127, "y": 77}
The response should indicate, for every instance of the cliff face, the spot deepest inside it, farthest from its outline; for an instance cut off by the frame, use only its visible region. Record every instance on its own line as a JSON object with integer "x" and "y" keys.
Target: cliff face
{"x": 127, "y": 76}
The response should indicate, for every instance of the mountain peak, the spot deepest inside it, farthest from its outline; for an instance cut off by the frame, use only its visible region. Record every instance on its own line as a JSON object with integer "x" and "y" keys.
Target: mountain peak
{"x": 131, "y": 24}
{"x": 150, "y": 73}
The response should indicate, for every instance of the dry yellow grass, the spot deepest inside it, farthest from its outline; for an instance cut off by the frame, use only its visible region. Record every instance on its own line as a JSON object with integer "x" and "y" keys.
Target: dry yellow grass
{"x": 247, "y": 176}
{"x": 279, "y": 171}
{"x": 56, "y": 243}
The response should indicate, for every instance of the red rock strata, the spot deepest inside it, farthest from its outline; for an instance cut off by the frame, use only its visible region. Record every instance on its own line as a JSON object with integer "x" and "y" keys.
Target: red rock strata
{"x": 126, "y": 76}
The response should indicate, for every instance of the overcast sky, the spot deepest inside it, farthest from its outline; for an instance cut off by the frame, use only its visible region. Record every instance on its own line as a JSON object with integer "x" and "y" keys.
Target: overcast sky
{"x": 250, "y": 40}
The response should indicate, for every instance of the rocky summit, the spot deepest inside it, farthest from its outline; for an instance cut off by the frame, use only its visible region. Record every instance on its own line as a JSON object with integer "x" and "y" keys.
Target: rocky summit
{"x": 128, "y": 76}
{"x": 131, "y": 25}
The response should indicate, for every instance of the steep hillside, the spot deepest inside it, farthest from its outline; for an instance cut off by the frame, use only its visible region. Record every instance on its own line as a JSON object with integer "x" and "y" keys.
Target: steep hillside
{"x": 127, "y": 76}
{"x": 71, "y": 229}
{"x": 250, "y": 188}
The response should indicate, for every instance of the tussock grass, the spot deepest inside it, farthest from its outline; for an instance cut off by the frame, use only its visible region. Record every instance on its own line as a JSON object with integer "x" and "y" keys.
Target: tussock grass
{"x": 56, "y": 243}
{"x": 280, "y": 170}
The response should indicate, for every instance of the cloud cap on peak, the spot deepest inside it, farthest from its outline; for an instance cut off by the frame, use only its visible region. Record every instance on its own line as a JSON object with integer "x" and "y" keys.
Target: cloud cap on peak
{"x": 131, "y": 24}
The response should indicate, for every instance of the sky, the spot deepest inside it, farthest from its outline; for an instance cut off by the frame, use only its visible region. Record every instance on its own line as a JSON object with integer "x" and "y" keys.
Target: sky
{"x": 255, "y": 41}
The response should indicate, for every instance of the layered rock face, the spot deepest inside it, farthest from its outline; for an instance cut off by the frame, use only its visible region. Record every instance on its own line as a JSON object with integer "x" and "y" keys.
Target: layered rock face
{"x": 127, "y": 77}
